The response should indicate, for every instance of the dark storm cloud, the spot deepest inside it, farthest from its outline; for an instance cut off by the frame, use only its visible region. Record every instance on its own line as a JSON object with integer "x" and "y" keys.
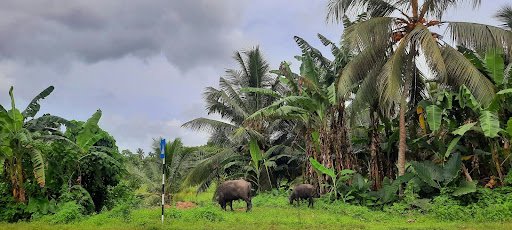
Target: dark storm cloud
{"x": 189, "y": 33}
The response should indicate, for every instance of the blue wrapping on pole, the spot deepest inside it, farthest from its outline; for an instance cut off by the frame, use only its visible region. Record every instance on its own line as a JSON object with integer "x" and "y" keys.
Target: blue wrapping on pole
{"x": 162, "y": 156}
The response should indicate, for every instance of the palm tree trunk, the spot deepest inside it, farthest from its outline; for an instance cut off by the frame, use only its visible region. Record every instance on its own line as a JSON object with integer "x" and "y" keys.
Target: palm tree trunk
{"x": 410, "y": 73}
{"x": 402, "y": 143}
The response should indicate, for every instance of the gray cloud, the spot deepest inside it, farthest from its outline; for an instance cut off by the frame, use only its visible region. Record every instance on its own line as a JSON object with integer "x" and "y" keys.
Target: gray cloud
{"x": 189, "y": 33}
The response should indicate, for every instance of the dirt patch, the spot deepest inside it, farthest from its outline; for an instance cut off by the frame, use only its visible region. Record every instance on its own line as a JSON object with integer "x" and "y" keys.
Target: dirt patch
{"x": 185, "y": 205}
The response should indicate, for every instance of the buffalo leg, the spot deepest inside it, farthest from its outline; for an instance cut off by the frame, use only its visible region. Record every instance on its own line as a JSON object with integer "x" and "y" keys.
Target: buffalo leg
{"x": 231, "y": 205}
{"x": 310, "y": 202}
{"x": 249, "y": 205}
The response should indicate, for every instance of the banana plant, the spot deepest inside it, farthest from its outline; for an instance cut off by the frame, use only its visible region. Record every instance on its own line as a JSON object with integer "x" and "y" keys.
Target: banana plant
{"x": 20, "y": 145}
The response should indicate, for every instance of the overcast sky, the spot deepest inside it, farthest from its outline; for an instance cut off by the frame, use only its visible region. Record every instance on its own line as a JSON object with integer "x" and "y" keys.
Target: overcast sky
{"x": 145, "y": 63}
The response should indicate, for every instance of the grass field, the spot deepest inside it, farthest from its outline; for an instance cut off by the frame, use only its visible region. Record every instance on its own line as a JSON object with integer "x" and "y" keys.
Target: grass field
{"x": 269, "y": 212}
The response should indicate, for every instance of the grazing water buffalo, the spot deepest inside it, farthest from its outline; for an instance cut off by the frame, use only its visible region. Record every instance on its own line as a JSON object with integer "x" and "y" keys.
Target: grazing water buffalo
{"x": 232, "y": 190}
{"x": 303, "y": 192}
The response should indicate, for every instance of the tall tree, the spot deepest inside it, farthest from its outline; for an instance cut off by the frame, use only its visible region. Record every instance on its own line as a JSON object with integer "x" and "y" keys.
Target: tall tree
{"x": 392, "y": 52}
{"x": 234, "y": 104}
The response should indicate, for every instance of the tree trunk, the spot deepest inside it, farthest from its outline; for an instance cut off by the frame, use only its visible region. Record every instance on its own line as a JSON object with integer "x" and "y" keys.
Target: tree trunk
{"x": 311, "y": 176}
{"x": 344, "y": 144}
{"x": 18, "y": 191}
{"x": 375, "y": 160}
{"x": 402, "y": 143}
{"x": 325, "y": 150}
{"x": 410, "y": 73}
{"x": 495, "y": 158}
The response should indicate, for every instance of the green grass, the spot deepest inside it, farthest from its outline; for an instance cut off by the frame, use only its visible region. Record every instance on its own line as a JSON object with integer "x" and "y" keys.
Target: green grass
{"x": 269, "y": 212}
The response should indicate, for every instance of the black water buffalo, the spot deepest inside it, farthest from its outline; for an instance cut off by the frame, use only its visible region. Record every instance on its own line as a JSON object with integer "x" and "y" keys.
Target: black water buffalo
{"x": 303, "y": 192}
{"x": 232, "y": 190}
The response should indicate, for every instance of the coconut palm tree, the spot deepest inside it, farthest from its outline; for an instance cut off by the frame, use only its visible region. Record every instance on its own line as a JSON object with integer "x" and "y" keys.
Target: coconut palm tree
{"x": 389, "y": 47}
{"x": 234, "y": 104}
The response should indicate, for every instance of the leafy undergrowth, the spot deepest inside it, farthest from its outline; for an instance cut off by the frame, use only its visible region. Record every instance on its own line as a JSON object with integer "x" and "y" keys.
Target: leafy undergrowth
{"x": 269, "y": 212}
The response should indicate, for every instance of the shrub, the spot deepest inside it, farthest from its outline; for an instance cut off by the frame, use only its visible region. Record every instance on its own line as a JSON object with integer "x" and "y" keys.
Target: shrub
{"x": 10, "y": 210}
{"x": 67, "y": 212}
{"x": 446, "y": 208}
{"x": 79, "y": 195}
{"x": 508, "y": 179}
{"x": 122, "y": 211}
{"x": 123, "y": 194}
{"x": 208, "y": 213}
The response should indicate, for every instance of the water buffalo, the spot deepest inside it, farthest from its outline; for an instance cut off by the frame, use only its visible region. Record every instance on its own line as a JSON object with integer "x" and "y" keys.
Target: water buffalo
{"x": 232, "y": 190}
{"x": 303, "y": 192}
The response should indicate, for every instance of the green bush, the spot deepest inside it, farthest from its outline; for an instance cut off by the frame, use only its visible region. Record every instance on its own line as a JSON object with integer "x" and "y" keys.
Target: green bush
{"x": 122, "y": 211}
{"x": 67, "y": 212}
{"x": 210, "y": 213}
{"x": 447, "y": 208}
{"x": 173, "y": 213}
{"x": 123, "y": 194}
{"x": 10, "y": 210}
{"x": 483, "y": 205}
{"x": 79, "y": 195}
{"x": 508, "y": 179}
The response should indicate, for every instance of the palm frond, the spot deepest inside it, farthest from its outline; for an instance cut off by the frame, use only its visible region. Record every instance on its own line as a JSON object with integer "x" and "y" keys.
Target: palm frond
{"x": 261, "y": 91}
{"x": 356, "y": 36}
{"x": 365, "y": 95}
{"x": 437, "y": 8}
{"x": 336, "y": 9}
{"x": 481, "y": 37}
{"x": 431, "y": 51}
{"x": 218, "y": 102}
{"x": 390, "y": 79}
{"x": 460, "y": 72}
{"x": 505, "y": 15}
{"x": 285, "y": 112}
{"x": 357, "y": 69}
{"x": 213, "y": 165}
{"x": 232, "y": 92}
{"x": 507, "y": 74}
{"x": 209, "y": 125}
